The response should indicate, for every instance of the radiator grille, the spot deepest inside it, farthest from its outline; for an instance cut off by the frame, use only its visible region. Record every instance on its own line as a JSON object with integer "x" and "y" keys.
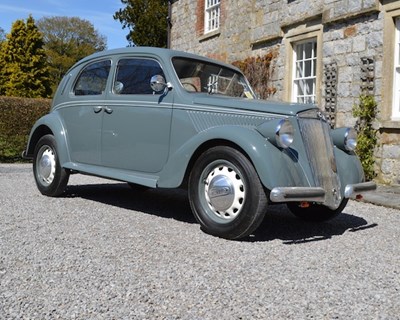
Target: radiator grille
{"x": 319, "y": 149}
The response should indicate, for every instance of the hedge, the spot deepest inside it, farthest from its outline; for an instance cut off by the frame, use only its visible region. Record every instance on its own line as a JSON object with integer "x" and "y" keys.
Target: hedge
{"x": 17, "y": 116}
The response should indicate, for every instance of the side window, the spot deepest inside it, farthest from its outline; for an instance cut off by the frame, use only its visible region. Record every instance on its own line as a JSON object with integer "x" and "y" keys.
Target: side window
{"x": 133, "y": 76}
{"x": 93, "y": 79}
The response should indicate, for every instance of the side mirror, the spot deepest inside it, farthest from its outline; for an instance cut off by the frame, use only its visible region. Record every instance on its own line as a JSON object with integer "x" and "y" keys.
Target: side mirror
{"x": 157, "y": 83}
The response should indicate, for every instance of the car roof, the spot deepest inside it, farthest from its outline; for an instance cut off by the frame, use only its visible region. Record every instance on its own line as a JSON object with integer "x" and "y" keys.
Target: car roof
{"x": 161, "y": 52}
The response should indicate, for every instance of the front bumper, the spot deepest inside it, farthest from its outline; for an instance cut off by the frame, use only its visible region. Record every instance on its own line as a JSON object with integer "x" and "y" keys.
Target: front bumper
{"x": 300, "y": 194}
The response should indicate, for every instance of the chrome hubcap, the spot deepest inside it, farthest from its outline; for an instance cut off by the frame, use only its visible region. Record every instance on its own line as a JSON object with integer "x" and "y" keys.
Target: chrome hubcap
{"x": 224, "y": 192}
{"x": 47, "y": 166}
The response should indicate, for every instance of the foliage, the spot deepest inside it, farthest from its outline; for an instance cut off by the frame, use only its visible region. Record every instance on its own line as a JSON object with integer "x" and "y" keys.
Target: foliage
{"x": 366, "y": 111}
{"x": 258, "y": 71}
{"x": 24, "y": 71}
{"x": 67, "y": 40}
{"x": 17, "y": 118}
{"x": 2, "y": 35}
{"x": 146, "y": 21}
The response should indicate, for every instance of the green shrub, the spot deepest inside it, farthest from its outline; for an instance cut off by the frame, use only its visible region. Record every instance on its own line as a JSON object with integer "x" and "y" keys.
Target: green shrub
{"x": 17, "y": 116}
{"x": 366, "y": 112}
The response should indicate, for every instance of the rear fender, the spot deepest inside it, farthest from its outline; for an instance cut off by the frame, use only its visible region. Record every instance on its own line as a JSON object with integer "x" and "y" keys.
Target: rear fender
{"x": 48, "y": 124}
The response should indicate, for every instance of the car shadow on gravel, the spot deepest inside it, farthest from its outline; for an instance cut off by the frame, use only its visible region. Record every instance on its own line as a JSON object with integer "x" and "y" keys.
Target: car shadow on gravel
{"x": 279, "y": 223}
{"x": 165, "y": 203}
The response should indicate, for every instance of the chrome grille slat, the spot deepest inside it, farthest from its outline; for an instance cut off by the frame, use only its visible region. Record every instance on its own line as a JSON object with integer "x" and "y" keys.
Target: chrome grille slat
{"x": 319, "y": 149}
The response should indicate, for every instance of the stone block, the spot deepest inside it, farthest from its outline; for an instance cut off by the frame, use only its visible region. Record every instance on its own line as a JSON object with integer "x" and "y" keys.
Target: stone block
{"x": 359, "y": 44}
{"x": 391, "y": 152}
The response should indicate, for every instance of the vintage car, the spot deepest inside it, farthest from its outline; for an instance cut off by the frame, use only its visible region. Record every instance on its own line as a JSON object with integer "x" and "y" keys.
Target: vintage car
{"x": 160, "y": 118}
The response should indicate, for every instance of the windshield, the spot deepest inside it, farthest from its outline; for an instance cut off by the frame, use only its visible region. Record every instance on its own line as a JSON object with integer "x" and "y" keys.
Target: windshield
{"x": 200, "y": 76}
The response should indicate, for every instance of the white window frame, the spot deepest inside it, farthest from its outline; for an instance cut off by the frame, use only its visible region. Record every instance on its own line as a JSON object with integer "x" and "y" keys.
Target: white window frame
{"x": 396, "y": 71}
{"x": 212, "y": 15}
{"x": 299, "y": 78}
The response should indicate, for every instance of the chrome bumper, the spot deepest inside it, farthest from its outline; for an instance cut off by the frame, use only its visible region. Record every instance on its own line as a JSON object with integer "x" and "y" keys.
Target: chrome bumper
{"x": 297, "y": 194}
{"x": 353, "y": 190}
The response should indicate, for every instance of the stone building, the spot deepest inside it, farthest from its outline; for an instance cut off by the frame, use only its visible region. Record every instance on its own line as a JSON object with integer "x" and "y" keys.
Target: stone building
{"x": 326, "y": 51}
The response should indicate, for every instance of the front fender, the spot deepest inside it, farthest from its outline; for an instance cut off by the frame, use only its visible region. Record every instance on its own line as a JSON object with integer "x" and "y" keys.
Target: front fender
{"x": 49, "y": 124}
{"x": 349, "y": 168}
{"x": 275, "y": 167}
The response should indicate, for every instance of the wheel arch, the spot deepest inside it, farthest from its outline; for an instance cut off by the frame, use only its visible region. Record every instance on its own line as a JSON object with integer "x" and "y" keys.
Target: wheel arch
{"x": 49, "y": 124}
{"x": 39, "y": 132}
{"x": 208, "y": 145}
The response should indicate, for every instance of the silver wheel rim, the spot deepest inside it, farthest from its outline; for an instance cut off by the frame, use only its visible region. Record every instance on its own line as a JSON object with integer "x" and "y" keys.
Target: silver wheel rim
{"x": 224, "y": 191}
{"x": 46, "y": 165}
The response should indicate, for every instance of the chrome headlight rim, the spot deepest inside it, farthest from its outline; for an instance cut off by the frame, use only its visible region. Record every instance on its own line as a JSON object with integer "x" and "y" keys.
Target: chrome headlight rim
{"x": 350, "y": 139}
{"x": 284, "y": 133}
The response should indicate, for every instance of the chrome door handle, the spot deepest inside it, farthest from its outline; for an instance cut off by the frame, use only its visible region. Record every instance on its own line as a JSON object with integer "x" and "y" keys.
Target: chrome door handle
{"x": 108, "y": 110}
{"x": 97, "y": 109}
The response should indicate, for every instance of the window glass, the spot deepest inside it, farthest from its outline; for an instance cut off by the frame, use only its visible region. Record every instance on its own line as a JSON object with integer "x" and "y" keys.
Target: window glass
{"x": 305, "y": 75}
{"x": 133, "y": 76}
{"x": 396, "y": 82}
{"x": 93, "y": 79}
{"x": 197, "y": 76}
{"x": 212, "y": 15}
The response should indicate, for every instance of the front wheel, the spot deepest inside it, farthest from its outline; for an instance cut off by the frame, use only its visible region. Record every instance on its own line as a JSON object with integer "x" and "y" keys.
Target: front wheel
{"x": 316, "y": 212}
{"x": 225, "y": 193}
{"x": 51, "y": 179}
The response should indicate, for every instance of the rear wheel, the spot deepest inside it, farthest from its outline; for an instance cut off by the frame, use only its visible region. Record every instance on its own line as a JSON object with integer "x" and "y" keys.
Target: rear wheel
{"x": 50, "y": 178}
{"x": 225, "y": 193}
{"x": 316, "y": 212}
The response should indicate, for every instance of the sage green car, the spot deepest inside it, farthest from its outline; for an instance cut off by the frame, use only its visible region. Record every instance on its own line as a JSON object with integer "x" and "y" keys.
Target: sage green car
{"x": 159, "y": 118}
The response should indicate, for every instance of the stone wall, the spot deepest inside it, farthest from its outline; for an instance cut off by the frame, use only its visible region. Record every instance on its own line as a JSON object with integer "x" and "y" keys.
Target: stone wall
{"x": 352, "y": 50}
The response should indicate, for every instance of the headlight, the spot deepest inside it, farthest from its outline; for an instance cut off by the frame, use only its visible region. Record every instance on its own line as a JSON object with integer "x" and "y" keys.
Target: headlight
{"x": 278, "y": 131}
{"x": 284, "y": 133}
{"x": 345, "y": 138}
{"x": 350, "y": 139}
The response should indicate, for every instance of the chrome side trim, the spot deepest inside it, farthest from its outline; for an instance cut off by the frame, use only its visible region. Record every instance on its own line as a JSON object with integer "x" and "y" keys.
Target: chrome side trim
{"x": 288, "y": 194}
{"x": 352, "y": 190}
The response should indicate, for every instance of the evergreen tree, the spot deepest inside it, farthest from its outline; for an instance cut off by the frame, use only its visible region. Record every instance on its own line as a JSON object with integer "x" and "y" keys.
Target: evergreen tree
{"x": 24, "y": 72}
{"x": 146, "y": 20}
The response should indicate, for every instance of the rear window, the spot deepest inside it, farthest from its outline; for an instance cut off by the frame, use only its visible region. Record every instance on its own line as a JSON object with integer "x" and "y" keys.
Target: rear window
{"x": 93, "y": 79}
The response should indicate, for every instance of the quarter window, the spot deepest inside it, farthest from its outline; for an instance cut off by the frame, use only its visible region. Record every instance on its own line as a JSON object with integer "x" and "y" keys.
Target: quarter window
{"x": 396, "y": 83}
{"x": 212, "y": 15}
{"x": 133, "y": 76}
{"x": 305, "y": 72}
{"x": 93, "y": 79}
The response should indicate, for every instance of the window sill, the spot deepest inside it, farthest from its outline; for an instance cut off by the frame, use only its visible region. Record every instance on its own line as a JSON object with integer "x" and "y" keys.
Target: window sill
{"x": 209, "y": 35}
{"x": 391, "y": 124}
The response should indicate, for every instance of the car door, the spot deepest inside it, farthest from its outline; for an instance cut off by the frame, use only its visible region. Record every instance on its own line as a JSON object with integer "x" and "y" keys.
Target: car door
{"x": 136, "y": 124}
{"x": 82, "y": 114}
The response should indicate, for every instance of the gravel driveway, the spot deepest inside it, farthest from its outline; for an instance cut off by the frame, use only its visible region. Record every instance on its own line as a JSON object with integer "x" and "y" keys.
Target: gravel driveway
{"x": 103, "y": 251}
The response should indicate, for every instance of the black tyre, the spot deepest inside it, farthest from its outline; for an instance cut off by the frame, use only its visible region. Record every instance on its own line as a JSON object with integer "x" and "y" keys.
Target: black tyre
{"x": 315, "y": 212}
{"x": 225, "y": 193}
{"x": 50, "y": 178}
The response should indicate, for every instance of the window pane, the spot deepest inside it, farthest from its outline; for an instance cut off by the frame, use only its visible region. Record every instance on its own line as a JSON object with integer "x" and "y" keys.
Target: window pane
{"x": 299, "y": 70}
{"x": 299, "y": 52}
{"x": 93, "y": 79}
{"x": 307, "y": 68}
{"x": 211, "y": 15}
{"x": 304, "y": 84}
{"x": 396, "y": 71}
{"x": 309, "y": 47}
{"x": 133, "y": 76}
